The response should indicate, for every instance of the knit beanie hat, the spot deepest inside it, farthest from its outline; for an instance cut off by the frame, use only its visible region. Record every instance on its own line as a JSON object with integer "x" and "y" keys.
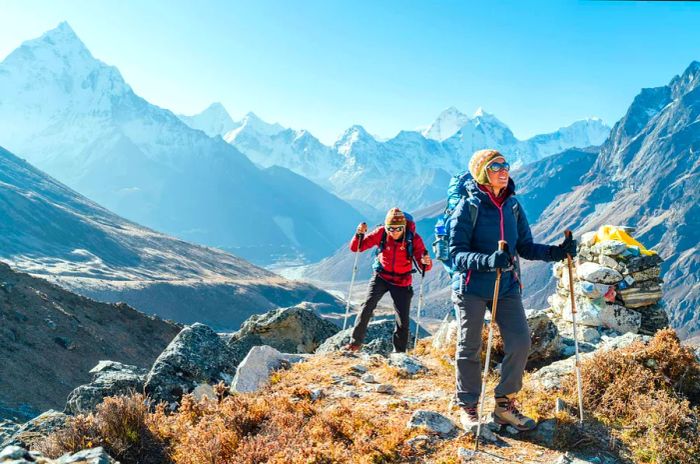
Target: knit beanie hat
{"x": 395, "y": 218}
{"x": 478, "y": 163}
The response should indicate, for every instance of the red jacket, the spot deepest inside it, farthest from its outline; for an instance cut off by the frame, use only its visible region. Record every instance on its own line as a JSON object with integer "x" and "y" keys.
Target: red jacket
{"x": 394, "y": 258}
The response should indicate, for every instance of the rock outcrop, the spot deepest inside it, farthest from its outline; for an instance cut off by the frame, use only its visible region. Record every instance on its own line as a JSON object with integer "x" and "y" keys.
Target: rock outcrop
{"x": 110, "y": 378}
{"x": 298, "y": 329}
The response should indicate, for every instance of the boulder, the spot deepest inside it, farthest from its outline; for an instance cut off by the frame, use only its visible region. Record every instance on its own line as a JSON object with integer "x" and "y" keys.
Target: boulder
{"x": 298, "y": 329}
{"x": 377, "y": 340}
{"x": 196, "y": 355}
{"x": 255, "y": 369}
{"x": 37, "y": 429}
{"x": 609, "y": 248}
{"x": 110, "y": 378}
{"x": 546, "y": 344}
{"x": 432, "y": 421}
{"x": 598, "y": 274}
{"x": 620, "y": 319}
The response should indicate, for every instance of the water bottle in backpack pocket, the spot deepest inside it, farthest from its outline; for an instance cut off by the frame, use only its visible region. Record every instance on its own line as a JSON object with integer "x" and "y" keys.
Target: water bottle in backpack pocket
{"x": 440, "y": 245}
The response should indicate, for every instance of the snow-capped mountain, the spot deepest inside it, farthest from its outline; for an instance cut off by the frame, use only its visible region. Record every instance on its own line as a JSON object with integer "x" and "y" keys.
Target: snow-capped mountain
{"x": 50, "y": 231}
{"x": 213, "y": 121}
{"x": 77, "y": 119}
{"x": 411, "y": 169}
{"x": 447, "y": 124}
{"x": 273, "y": 145}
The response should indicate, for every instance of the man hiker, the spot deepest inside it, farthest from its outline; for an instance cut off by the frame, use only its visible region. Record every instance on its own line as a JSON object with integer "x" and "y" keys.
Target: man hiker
{"x": 399, "y": 247}
{"x": 474, "y": 254}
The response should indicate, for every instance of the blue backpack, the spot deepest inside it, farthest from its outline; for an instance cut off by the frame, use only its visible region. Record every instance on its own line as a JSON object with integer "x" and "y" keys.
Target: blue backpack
{"x": 455, "y": 192}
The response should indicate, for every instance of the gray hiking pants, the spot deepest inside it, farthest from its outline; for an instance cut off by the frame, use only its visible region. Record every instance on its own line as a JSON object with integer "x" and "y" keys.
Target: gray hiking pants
{"x": 512, "y": 323}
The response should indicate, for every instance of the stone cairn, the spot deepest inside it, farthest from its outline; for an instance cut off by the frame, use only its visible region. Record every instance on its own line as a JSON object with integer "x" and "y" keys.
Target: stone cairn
{"x": 616, "y": 286}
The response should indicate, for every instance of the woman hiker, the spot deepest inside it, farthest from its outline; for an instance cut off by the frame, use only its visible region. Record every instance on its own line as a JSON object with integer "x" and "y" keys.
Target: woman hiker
{"x": 475, "y": 256}
{"x": 399, "y": 247}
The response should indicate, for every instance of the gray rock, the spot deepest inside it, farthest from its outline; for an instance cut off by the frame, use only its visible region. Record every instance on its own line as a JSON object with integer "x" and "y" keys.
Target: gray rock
{"x": 544, "y": 433}
{"x": 254, "y": 371}
{"x": 90, "y": 456}
{"x": 419, "y": 441}
{"x": 14, "y": 452}
{"x": 620, "y": 319}
{"x": 643, "y": 262}
{"x": 385, "y": 388}
{"x": 110, "y": 378}
{"x": 298, "y": 329}
{"x": 432, "y": 421}
{"x": 196, "y": 355}
{"x": 406, "y": 364}
{"x": 377, "y": 340}
{"x": 607, "y": 261}
{"x": 368, "y": 378}
{"x": 590, "y": 334}
{"x": 609, "y": 248}
{"x": 466, "y": 455}
{"x": 37, "y": 429}
{"x": 359, "y": 368}
{"x": 623, "y": 341}
{"x": 597, "y": 274}
{"x": 546, "y": 344}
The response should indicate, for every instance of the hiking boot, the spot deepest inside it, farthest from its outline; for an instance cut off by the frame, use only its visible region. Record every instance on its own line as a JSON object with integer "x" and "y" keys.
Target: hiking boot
{"x": 506, "y": 413}
{"x": 353, "y": 347}
{"x": 469, "y": 417}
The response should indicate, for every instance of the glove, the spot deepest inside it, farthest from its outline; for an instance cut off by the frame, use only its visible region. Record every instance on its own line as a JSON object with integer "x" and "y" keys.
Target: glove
{"x": 499, "y": 259}
{"x": 568, "y": 246}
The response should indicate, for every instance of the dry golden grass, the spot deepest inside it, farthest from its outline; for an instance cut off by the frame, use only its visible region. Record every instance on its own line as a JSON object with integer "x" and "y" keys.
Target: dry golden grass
{"x": 651, "y": 413}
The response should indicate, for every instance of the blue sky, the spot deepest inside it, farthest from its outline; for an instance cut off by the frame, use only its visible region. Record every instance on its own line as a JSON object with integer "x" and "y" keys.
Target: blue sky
{"x": 388, "y": 65}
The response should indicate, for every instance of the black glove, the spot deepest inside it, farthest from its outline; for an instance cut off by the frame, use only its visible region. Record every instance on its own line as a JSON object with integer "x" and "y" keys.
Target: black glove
{"x": 499, "y": 259}
{"x": 567, "y": 247}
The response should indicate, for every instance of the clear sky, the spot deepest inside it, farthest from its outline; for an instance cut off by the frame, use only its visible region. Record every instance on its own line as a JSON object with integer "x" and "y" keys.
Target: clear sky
{"x": 325, "y": 65}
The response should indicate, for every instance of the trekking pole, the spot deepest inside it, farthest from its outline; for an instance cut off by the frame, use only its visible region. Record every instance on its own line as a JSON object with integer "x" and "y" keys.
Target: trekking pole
{"x": 567, "y": 234}
{"x": 352, "y": 280}
{"x": 501, "y": 246}
{"x": 420, "y": 300}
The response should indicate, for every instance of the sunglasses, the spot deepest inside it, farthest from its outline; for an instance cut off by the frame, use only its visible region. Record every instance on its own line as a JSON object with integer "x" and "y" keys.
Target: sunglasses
{"x": 395, "y": 229}
{"x": 496, "y": 167}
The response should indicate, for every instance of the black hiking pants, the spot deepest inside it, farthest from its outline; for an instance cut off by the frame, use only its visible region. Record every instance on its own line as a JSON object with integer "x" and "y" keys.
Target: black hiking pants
{"x": 402, "y": 307}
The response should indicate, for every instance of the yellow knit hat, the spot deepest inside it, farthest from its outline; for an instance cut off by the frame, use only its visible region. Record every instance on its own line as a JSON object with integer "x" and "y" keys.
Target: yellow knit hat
{"x": 478, "y": 163}
{"x": 395, "y": 217}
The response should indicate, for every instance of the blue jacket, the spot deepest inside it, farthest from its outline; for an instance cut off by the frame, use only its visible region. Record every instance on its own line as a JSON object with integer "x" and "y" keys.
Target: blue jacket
{"x": 470, "y": 249}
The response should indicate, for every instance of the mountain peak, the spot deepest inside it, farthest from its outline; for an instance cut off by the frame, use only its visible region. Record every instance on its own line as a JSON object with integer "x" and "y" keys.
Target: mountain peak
{"x": 62, "y": 36}
{"x": 448, "y": 123}
{"x": 213, "y": 121}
